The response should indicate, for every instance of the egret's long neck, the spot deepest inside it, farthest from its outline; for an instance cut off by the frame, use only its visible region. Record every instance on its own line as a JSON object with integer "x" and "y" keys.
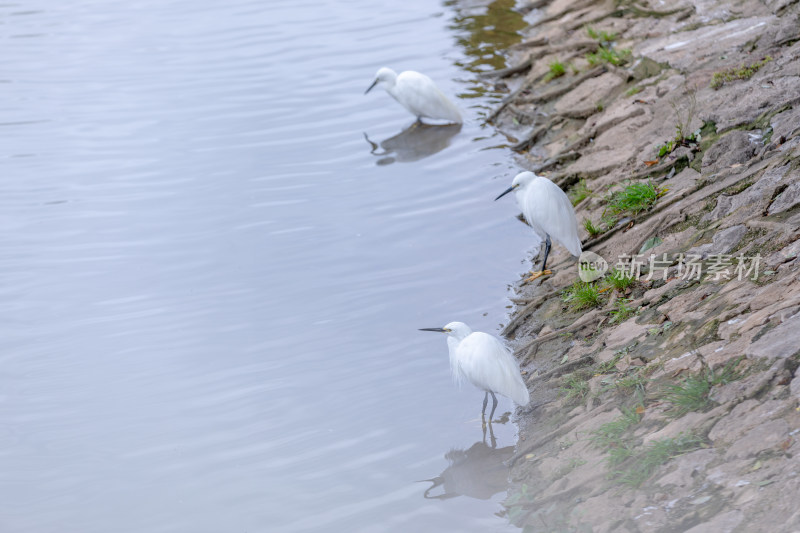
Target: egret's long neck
{"x": 452, "y": 346}
{"x": 455, "y": 338}
{"x": 519, "y": 192}
{"x": 390, "y": 84}
{"x": 519, "y": 195}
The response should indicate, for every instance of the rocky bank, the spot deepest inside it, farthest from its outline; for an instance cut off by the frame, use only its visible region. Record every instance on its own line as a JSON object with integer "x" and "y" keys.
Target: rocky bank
{"x": 669, "y": 403}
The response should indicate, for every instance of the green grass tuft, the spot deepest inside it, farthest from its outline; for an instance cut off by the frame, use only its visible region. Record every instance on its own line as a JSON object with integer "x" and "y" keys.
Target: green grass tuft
{"x": 575, "y": 387}
{"x": 610, "y": 365}
{"x": 611, "y": 434}
{"x": 621, "y": 311}
{"x": 614, "y": 438}
{"x": 609, "y": 220}
{"x": 591, "y": 229}
{"x": 742, "y": 72}
{"x": 619, "y": 454}
{"x": 666, "y": 148}
{"x": 634, "y": 198}
{"x": 579, "y": 192}
{"x": 689, "y": 395}
{"x": 582, "y": 296}
{"x": 608, "y": 55}
{"x": 633, "y": 90}
{"x": 683, "y": 137}
{"x": 602, "y": 36}
{"x": 644, "y": 464}
{"x": 557, "y": 69}
{"x": 630, "y": 384}
{"x": 692, "y": 393}
{"x": 619, "y": 281}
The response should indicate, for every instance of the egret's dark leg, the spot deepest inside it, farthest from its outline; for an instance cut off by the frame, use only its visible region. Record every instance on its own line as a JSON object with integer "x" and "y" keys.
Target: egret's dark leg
{"x": 494, "y": 406}
{"x": 546, "y": 252}
{"x": 543, "y": 271}
{"x": 491, "y": 435}
{"x": 485, "y": 401}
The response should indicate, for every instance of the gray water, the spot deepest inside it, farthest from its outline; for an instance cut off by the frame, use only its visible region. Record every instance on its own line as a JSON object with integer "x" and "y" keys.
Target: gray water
{"x": 211, "y": 285}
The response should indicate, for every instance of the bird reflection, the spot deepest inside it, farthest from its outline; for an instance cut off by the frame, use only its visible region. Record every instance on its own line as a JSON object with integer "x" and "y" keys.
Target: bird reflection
{"x": 416, "y": 142}
{"x": 478, "y": 472}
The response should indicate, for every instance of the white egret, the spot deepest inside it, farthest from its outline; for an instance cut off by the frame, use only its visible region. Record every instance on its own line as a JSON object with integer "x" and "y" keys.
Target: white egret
{"x": 417, "y": 93}
{"x": 484, "y": 361}
{"x": 548, "y": 211}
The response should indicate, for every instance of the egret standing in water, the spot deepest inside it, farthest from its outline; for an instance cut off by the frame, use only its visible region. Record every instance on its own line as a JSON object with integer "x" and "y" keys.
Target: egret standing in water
{"x": 484, "y": 361}
{"x": 417, "y": 93}
{"x": 548, "y": 211}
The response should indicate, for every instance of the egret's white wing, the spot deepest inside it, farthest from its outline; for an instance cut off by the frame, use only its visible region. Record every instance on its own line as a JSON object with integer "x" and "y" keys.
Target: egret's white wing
{"x": 548, "y": 209}
{"x": 423, "y": 98}
{"x": 489, "y": 365}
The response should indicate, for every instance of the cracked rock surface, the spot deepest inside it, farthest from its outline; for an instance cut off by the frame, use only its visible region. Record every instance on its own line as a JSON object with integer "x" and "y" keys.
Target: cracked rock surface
{"x": 673, "y": 404}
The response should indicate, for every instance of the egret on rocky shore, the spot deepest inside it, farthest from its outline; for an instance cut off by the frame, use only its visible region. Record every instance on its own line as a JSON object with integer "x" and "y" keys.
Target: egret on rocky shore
{"x": 417, "y": 93}
{"x": 548, "y": 211}
{"x": 484, "y": 361}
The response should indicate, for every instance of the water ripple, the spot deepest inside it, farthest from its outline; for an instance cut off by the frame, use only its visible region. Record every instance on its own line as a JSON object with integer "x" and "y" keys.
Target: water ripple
{"x": 211, "y": 286}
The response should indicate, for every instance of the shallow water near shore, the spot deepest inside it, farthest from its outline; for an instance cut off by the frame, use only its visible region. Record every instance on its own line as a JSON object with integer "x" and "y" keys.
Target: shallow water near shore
{"x": 217, "y": 253}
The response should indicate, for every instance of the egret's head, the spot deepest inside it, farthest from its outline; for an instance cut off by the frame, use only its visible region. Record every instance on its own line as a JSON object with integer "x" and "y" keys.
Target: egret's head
{"x": 458, "y": 330}
{"x": 520, "y": 181}
{"x": 384, "y": 77}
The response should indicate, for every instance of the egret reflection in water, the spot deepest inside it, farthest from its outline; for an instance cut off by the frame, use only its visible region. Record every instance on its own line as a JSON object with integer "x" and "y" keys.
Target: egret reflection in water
{"x": 478, "y": 472}
{"x": 416, "y": 142}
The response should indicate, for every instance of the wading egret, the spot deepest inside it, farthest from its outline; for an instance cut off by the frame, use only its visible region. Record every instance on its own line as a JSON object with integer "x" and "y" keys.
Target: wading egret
{"x": 548, "y": 211}
{"x": 484, "y": 361}
{"x": 417, "y": 93}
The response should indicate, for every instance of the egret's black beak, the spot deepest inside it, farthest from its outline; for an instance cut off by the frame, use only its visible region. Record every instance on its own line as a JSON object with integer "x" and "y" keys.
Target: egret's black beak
{"x": 438, "y": 330}
{"x": 374, "y": 83}
{"x": 505, "y": 192}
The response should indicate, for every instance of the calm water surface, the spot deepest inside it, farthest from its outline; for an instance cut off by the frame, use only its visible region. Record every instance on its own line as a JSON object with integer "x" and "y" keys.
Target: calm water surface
{"x": 212, "y": 282}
